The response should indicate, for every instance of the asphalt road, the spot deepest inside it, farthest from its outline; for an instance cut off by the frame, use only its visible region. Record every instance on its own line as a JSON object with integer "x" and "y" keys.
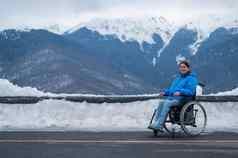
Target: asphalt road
{"x": 115, "y": 145}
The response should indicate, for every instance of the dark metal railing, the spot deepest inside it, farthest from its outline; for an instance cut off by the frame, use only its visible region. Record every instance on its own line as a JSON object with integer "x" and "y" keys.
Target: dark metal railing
{"x": 105, "y": 99}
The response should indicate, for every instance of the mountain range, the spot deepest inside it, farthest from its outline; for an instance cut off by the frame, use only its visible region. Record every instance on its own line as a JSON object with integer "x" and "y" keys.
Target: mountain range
{"x": 121, "y": 56}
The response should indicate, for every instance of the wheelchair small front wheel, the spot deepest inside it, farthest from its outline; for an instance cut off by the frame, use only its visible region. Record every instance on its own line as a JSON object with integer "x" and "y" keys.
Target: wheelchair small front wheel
{"x": 155, "y": 133}
{"x": 193, "y": 118}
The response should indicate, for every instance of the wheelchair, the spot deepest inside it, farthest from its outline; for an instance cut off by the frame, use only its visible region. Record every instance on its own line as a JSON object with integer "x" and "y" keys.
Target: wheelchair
{"x": 189, "y": 118}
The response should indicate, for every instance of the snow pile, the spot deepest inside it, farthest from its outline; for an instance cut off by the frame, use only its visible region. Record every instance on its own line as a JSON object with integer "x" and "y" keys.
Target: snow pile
{"x": 9, "y": 89}
{"x": 61, "y": 115}
{"x": 232, "y": 92}
{"x": 222, "y": 116}
{"x": 64, "y": 115}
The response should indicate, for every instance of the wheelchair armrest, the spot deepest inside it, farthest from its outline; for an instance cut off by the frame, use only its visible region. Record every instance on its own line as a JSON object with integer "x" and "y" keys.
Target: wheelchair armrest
{"x": 201, "y": 84}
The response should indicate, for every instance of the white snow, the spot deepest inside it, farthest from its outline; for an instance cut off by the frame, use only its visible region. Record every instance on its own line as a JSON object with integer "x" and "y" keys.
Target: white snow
{"x": 55, "y": 28}
{"x": 52, "y": 115}
{"x": 9, "y": 89}
{"x": 222, "y": 116}
{"x": 231, "y": 92}
{"x": 127, "y": 29}
{"x": 204, "y": 26}
{"x": 61, "y": 115}
{"x": 142, "y": 29}
{"x": 154, "y": 61}
{"x": 180, "y": 58}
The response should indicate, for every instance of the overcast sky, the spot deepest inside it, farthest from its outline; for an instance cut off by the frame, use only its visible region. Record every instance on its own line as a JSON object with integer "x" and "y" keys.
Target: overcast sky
{"x": 72, "y": 12}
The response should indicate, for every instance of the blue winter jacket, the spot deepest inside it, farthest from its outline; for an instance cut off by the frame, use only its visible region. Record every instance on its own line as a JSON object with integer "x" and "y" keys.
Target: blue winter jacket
{"x": 185, "y": 84}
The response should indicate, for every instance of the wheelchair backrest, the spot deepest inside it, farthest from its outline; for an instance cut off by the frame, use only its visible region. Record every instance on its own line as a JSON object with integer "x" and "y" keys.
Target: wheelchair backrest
{"x": 199, "y": 89}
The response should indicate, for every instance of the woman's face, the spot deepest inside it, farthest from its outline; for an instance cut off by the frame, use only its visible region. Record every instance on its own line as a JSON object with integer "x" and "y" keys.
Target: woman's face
{"x": 183, "y": 69}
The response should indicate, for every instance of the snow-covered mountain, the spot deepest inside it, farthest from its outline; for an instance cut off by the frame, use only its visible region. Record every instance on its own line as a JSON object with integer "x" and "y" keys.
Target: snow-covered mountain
{"x": 127, "y": 29}
{"x": 55, "y": 28}
{"x": 138, "y": 54}
{"x": 204, "y": 26}
{"x": 142, "y": 29}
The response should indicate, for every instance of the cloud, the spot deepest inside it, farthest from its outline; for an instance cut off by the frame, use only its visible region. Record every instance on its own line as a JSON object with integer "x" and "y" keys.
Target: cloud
{"x": 71, "y": 12}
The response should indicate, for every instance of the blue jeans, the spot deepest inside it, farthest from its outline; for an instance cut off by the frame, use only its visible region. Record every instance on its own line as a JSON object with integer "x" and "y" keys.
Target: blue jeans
{"x": 162, "y": 111}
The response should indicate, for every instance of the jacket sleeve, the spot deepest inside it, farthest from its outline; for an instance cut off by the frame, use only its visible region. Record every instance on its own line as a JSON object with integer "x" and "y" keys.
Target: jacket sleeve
{"x": 167, "y": 91}
{"x": 190, "y": 89}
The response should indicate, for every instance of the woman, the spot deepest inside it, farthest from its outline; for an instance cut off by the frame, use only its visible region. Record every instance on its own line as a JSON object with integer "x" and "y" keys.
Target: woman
{"x": 183, "y": 89}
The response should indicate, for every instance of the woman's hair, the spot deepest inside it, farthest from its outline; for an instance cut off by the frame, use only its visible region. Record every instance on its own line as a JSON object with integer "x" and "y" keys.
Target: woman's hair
{"x": 185, "y": 62}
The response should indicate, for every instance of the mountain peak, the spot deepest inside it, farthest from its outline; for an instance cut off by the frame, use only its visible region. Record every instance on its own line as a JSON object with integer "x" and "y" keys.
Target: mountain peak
{"x": 127, "y": 29}
{"x": 142, "y": 29}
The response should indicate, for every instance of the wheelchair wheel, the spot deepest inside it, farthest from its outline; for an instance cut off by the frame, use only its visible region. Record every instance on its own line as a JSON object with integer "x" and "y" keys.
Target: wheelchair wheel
{"x": 171, "y": 124}
{"x": 193, "y": 118}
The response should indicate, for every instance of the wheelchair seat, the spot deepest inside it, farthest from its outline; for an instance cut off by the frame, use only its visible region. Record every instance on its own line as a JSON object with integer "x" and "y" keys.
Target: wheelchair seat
{"x": 174, "y": 113}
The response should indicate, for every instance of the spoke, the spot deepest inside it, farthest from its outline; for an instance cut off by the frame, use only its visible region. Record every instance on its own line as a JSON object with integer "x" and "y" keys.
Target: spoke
{"x": 197, "y": 121}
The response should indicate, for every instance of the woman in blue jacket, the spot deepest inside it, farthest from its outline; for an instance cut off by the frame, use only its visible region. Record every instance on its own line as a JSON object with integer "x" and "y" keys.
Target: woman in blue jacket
{"x": 182, "y": 89}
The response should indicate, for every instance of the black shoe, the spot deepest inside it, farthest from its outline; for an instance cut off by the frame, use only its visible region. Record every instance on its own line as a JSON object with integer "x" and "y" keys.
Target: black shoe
{"x": 150, "y": 127}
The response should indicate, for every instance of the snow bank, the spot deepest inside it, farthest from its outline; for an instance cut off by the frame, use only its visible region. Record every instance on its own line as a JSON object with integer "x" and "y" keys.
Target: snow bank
{"x": 232, "y": 92}
{"x": 222, "y": 116}
{"x": 9, "y": 89}
{"x": 63, "y": 115}
{"x": 51, "y": 115}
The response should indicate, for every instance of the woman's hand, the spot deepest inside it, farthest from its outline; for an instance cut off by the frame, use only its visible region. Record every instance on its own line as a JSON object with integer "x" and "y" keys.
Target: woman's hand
{"x": 177, "y": 94}
{"x": 162, "y": 94}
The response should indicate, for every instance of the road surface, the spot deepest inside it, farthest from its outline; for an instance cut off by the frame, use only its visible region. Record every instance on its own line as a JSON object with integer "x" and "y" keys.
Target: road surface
{"x": 115, "y": 145}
